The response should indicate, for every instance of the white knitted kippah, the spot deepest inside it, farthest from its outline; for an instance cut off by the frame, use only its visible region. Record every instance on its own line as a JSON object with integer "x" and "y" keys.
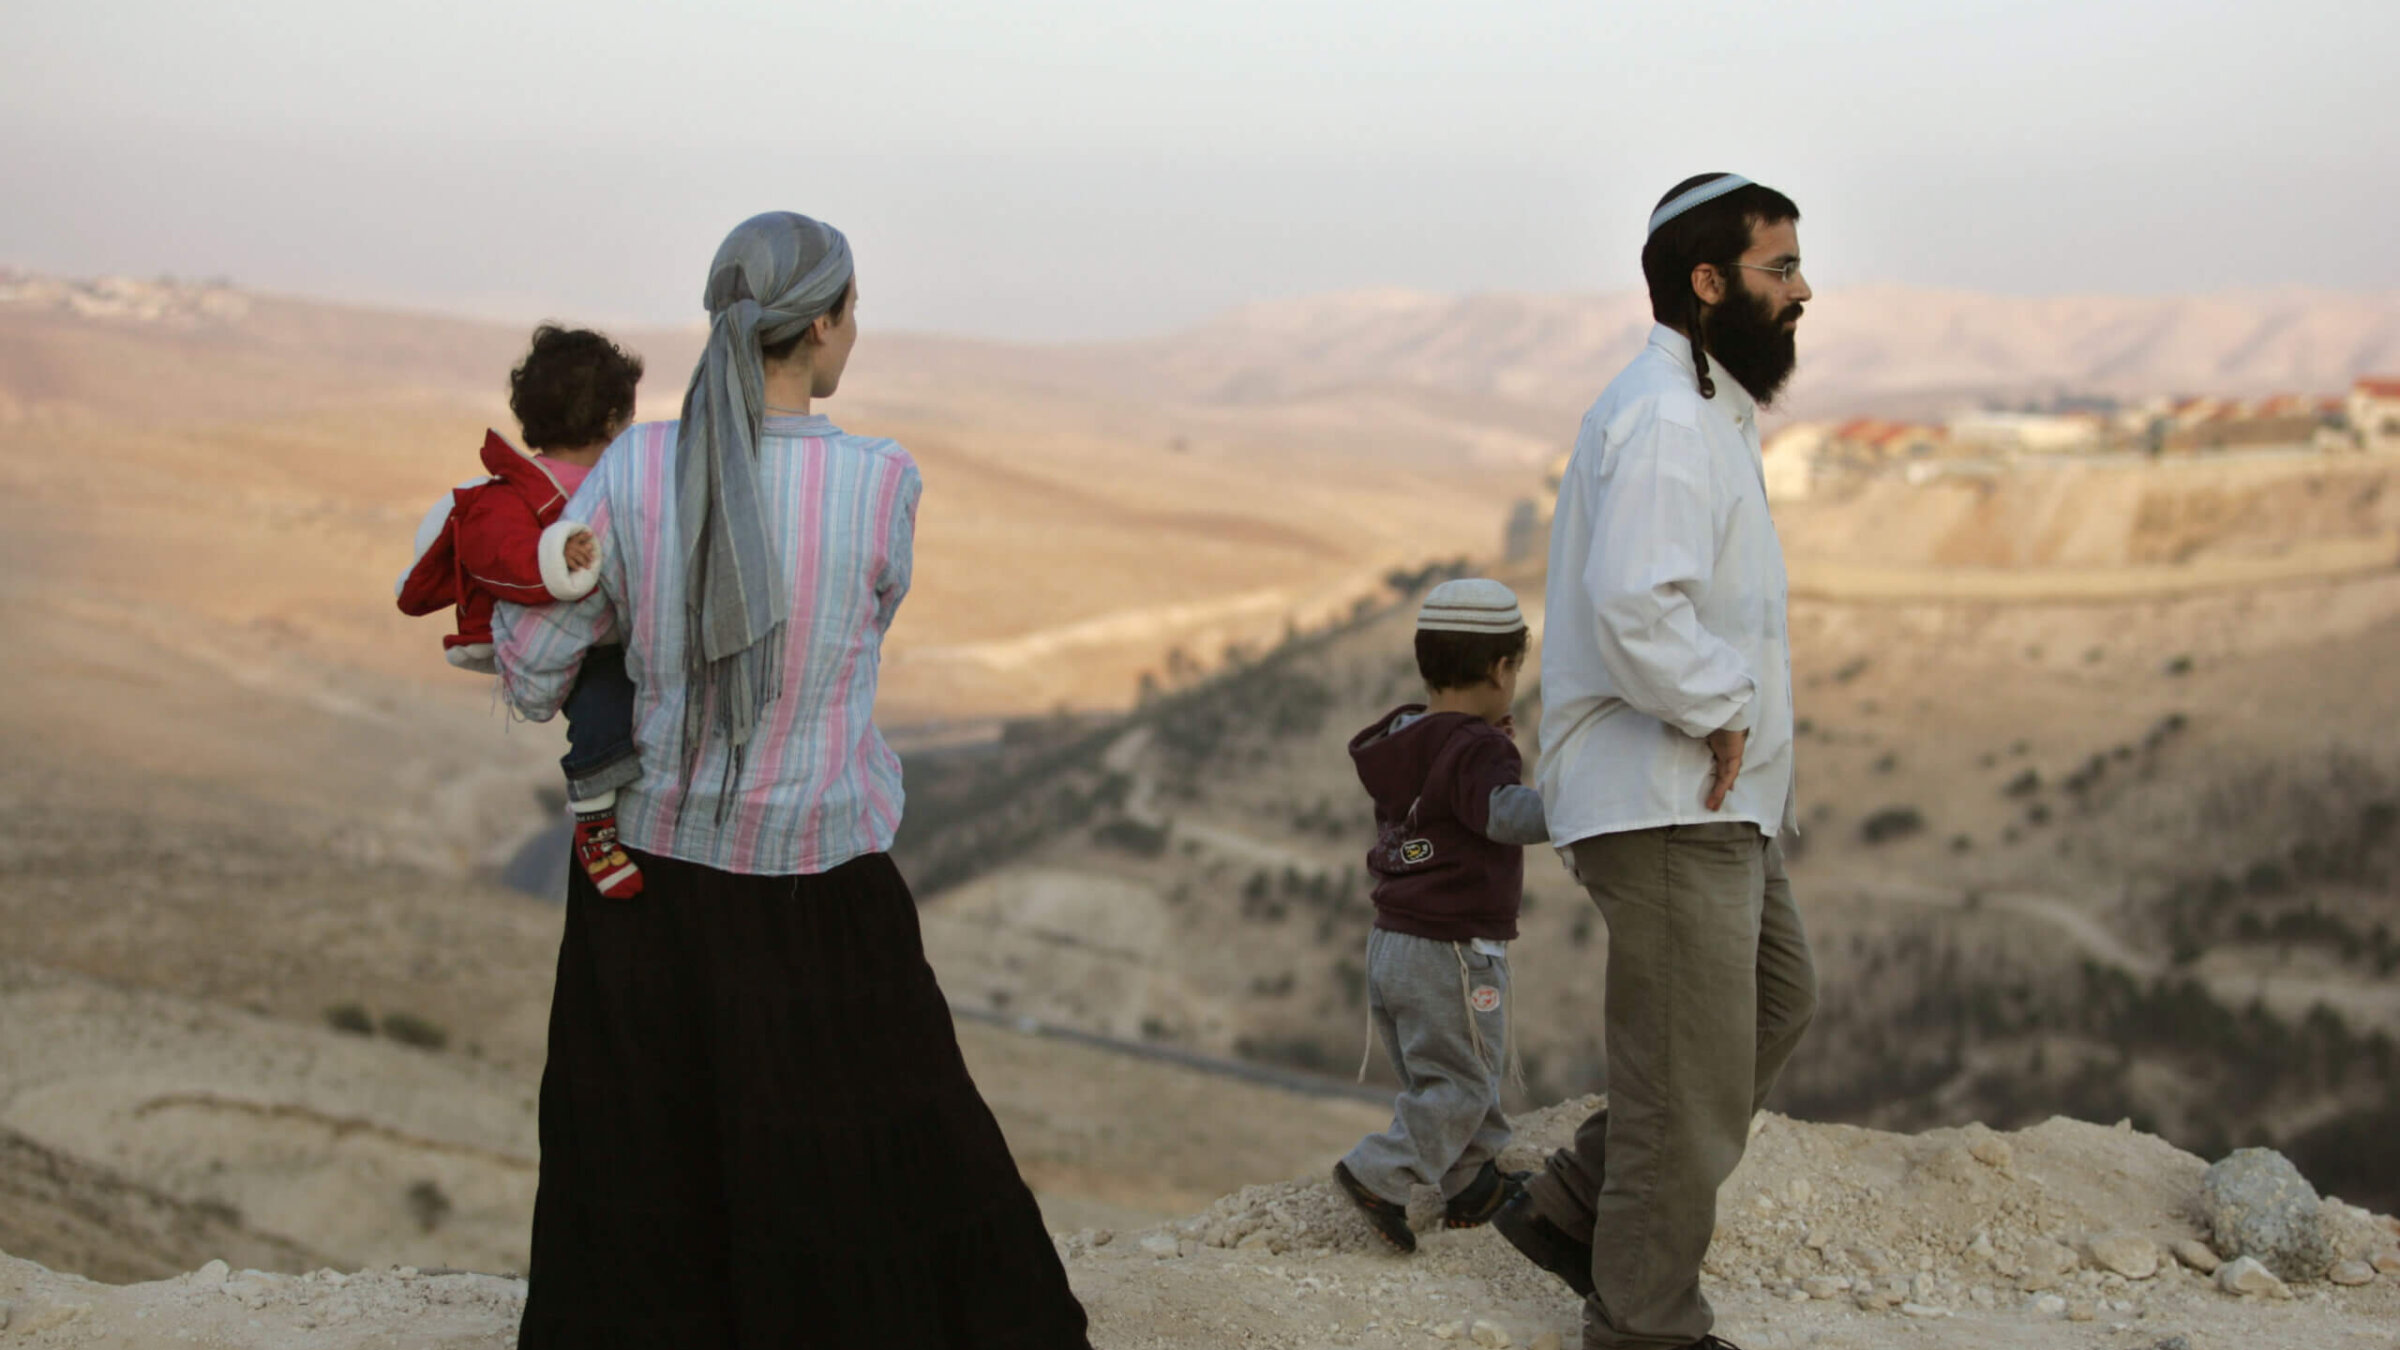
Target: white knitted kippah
{"x": 1470, "y": 605}
{"x": 1699, "y": 196}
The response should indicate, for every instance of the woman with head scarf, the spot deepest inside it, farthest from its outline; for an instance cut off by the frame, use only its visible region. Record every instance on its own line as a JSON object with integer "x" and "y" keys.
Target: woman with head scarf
{"x": 756, "y": 1126}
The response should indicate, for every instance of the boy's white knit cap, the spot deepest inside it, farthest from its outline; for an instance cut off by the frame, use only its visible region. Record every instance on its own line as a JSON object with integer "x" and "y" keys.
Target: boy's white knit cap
{"x": 1470, "y": 605}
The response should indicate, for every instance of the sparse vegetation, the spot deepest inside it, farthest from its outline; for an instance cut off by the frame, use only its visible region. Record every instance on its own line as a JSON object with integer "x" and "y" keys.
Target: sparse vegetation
{"x": 350, "y": 1018}
{"x": 1134, "y": 837}
{"x": 1298, "y": 1052}
{"x": 1945, "y": 1017}
{"x": 219, "y": 1209}
{"x": 427, "y": 1204}
{"x": 2020, "y": 1043}
{"x": 1352, "y": 977}
{"x": 1890, "y": 823}
{"x": 1410, "y": 583}
{"x": 410, "y": 1029}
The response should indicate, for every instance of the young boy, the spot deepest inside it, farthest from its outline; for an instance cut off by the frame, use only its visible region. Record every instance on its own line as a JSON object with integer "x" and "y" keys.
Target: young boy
{"x": 500, "y": 538}
{"x": 1452, "y": 815}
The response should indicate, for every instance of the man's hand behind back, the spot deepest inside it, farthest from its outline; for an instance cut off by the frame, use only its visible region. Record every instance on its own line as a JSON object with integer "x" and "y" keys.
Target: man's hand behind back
{"x": 1725, "y": 745}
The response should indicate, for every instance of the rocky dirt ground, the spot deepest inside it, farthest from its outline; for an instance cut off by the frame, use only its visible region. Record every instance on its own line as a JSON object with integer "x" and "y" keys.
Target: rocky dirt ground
{"x": 1829, "y": 1237}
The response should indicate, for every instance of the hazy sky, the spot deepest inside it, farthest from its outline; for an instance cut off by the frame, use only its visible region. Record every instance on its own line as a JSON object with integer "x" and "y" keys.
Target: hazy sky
{"x": 1072, "y": 168}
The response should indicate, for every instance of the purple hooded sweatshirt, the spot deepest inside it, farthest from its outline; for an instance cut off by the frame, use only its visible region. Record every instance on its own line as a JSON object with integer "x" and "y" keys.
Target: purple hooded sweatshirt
{"x": 1438, "y": 874}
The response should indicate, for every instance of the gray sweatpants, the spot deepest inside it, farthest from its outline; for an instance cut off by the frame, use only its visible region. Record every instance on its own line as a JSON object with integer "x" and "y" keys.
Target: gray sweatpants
{"x": 1424, "y": 997}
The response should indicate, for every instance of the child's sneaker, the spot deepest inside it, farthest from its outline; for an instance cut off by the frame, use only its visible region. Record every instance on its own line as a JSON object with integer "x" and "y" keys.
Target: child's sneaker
{"x": 604, "y": 860}
{"x": 1483, "y": 1197}
{"x": 1389, "y": 1221}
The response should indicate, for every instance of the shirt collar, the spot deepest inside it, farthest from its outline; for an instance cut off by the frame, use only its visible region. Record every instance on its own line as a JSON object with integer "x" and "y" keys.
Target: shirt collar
{"x": 1731, "y": 398}
{"x": 799, "y": 424}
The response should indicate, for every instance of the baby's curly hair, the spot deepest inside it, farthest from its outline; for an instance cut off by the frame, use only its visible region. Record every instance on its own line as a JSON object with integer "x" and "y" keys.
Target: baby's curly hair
{"x": 573, "y": 388}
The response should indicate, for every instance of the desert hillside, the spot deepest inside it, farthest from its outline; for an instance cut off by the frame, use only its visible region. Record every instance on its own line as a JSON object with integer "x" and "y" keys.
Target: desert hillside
{"x": 219, "y": 1038}
{"x": 2123, "y": 845}
{"x": 2115, "y": 839}
{"x": 205, "y": 496}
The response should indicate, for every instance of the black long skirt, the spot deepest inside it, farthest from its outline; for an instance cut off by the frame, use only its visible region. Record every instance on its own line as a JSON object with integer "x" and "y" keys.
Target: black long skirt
{"x": 757, "y": 1131}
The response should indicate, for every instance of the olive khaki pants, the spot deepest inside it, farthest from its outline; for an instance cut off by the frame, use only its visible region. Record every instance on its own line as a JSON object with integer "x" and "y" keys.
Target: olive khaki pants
{"x": 1709, "y": 988}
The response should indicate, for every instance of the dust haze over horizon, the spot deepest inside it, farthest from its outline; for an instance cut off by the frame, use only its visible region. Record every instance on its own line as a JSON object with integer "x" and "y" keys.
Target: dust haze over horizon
{"x": 1067, "y": 169}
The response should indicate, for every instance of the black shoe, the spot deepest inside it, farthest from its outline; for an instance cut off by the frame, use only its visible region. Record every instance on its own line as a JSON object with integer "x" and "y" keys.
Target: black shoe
{"x": 1483, "y": 1197}
{"x": 1546, "y": 1244}
{"x": 1389, "y": 1221}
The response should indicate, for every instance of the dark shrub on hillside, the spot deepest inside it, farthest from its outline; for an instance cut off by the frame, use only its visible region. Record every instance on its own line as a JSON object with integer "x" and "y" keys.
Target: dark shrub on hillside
{"x": 2376, "y": 820}
{"x": 1298, "y": 1052}
{"x": 2266, "y": 878}
{"x": 350, "y": 1017}
{"x": 410, "y": 1029}
{"x": 1353, "y": 978}
{"x": 1143, "y": 841}
{"x": 1892, "y": 822}
{"x": 428, "y": 1205}
{"x": 1408, "y": 581}
{"x": 2350, "y": 1156}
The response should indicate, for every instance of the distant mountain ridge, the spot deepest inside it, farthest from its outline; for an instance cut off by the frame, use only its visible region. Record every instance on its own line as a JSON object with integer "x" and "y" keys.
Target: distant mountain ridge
{"x": 1863, "y": 349}
{"x": 1502, "y": 360}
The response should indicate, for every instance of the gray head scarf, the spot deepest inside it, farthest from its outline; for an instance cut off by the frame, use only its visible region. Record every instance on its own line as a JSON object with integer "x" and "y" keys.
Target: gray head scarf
{"x": 772, "y": 276}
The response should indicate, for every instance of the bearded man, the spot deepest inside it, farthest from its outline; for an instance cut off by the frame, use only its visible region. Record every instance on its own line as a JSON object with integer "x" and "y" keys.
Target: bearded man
{"x": 1666, "y": 767}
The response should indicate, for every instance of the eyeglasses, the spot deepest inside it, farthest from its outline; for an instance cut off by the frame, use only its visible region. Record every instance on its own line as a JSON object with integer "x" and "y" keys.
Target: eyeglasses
{"x": 1785, "y": 271}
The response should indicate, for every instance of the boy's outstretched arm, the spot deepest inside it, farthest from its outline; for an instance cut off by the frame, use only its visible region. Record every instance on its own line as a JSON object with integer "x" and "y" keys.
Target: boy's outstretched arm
{"x": 1491, "y": 797}
{"x": 1516, "y": 816}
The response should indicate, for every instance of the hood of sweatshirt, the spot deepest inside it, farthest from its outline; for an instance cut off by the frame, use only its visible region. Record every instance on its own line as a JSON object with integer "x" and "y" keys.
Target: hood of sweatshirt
{"x": 1396, "y": 754}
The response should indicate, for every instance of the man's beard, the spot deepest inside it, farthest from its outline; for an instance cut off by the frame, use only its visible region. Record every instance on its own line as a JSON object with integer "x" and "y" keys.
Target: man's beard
{"x": 1752, "y": 344}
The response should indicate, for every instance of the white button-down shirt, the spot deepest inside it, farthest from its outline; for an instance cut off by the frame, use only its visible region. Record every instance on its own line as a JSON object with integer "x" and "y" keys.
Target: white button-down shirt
{"x": 1665, "y": 610}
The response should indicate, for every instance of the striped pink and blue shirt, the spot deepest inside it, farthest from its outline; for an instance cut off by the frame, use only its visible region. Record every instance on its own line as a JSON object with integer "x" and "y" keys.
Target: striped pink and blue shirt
{"x": 818, "y": 785}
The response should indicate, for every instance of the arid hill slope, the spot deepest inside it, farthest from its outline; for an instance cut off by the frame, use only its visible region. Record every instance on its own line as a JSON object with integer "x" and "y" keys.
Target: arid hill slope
{"x": 2123, "y": 856}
